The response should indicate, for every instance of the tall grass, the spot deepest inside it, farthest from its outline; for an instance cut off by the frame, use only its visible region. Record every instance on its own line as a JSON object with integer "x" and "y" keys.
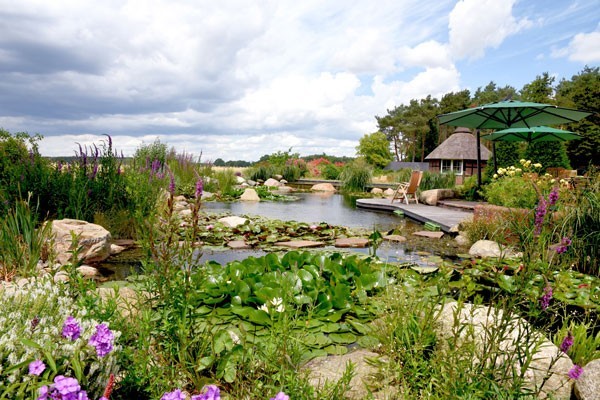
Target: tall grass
{"x": 23, "y": 243}
{"x": 356, "y": 176}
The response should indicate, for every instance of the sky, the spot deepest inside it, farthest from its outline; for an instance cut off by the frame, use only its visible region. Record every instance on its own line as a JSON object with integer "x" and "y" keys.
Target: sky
{"x": 238, "y": 79}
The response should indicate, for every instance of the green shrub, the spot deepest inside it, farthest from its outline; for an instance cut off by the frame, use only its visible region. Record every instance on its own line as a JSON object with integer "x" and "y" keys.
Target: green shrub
{"x": 356, "y": 176}
{"x": 436, "y": 180}
{"x": 331, "y": 171}
{"x": 260, "y": 172}
{"x": 511, "y": 191}
{"x": 226, "y": 180}
{"x": 291, "y": 172}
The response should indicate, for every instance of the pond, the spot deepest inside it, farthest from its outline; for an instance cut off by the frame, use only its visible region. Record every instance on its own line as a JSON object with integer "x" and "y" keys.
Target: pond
{"x": 334, "y": 209}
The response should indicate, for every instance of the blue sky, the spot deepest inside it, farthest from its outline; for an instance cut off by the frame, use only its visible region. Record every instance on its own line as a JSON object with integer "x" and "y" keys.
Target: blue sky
{"x": 238, "y": 79}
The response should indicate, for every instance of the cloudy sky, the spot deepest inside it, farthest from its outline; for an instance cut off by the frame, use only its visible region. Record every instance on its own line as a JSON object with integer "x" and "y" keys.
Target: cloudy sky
{"x": 237, "y": 79}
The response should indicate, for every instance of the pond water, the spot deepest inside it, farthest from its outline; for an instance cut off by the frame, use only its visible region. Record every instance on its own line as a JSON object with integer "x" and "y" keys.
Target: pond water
{"x": 335, "y": 209}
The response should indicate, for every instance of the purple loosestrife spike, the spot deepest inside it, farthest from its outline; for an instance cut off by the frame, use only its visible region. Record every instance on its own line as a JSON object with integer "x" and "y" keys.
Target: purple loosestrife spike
{"x": 199, "y": 187}
{"x": 171, "y": 183}
{"x": 540, "y": 213}
{"x": 71, "y": 329}
{"x": 566, "y": 343}
{"x": 575, "y": 372}
{"x": 545, "y": 300}
{"x": 553, "y": 196}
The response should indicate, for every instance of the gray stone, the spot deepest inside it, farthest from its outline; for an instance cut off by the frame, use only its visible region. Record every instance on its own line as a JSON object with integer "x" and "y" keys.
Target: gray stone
{"x": 548, "y": 367}
{"x": 251, "y": 182}
{"x": 323, "y": 187}
{"x": 489, "y": 248}
{"x": 395, "y": 238}
{"x": 94, "y": 240}
{"x": 351, "y": 242}
{"x": 329, "y": 370}
{"x": 232, "y": 221}
{"x": 116, "y": 249}
{"x": 388, "y": 192}
{"x": 272, "y": 182}
{"x": 238, "y": 245}
{"x": 462, "y": 240}
{"x": 376, "y": 191}
{"x": 61, "y": 276}
{"x": 88, "y": 272}
{"x": 126, "y": 299}
{"x": 431, "y": 197}
{"x": 240, "y": 180}
{"x": 299, "y": 244}
{"x": 587, "y": 387}
{"x": 249, "y": 195}
{"x": 277, "y": 177}
{"x": 429, "y": 234}
{"x": 283, "y": 181}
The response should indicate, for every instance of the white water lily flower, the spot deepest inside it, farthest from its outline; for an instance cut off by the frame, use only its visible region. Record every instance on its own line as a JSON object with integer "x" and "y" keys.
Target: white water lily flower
{"x": 264, "y": 308}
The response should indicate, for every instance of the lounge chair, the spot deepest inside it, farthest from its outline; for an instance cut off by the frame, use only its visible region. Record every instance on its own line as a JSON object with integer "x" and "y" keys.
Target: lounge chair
{"x": 406, "y": 190}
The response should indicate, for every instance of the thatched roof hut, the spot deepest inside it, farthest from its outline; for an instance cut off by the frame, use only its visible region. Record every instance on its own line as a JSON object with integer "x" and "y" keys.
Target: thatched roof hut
{"x": 461, "y": 145}
{"x": 458, "y": 154}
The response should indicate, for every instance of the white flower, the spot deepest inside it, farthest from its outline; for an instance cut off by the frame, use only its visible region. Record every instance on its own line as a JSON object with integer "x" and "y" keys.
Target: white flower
{"x": 537, "y": 165}
{"x": 264, "y": 308}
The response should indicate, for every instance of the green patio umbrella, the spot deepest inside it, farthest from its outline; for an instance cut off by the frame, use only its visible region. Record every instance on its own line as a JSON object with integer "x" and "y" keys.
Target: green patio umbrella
{"x": 510, "y": 114}
{"x": 533, "y": 134}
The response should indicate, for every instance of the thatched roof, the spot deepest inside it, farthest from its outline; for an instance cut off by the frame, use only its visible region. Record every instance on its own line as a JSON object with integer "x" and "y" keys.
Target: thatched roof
{"x": 461, "y": 145}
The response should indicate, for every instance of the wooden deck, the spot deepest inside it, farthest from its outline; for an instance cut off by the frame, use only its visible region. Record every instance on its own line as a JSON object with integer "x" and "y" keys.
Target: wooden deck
{"x": 447, "y": 218}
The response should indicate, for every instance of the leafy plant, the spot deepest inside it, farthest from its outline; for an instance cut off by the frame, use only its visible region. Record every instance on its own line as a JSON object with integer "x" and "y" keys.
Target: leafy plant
{"x": 356, "y": 176}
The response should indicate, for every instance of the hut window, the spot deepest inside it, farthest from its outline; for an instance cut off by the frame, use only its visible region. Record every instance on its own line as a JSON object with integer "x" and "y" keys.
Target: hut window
{"x": 452, "y": 165}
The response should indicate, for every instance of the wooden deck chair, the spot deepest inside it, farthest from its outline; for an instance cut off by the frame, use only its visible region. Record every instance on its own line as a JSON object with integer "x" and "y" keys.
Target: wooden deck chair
{"x": 407, "y": 189}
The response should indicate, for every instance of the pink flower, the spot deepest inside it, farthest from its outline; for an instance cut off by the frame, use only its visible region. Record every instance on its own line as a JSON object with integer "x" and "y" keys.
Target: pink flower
{"x": 36, "y": 367}
{"x": 575, "y": 372}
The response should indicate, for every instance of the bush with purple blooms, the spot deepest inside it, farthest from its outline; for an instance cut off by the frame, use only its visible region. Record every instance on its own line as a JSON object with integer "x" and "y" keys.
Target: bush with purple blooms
{"x": 46, "y": 337}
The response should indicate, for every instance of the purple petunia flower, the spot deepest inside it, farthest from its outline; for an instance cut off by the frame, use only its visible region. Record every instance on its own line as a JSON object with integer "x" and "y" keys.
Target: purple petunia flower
{"x": 212, "y": 393}
{"x": 36, "y": 367}
{"x": 71, "y": 329}
{"x": 575, "y": 372}
{"x": 567, "y": 343}
{"x": 281, "y": 396}
{"x": 545, "y": 300}
{"x": 102, "y": 340}
{"x": 174, "y": 395}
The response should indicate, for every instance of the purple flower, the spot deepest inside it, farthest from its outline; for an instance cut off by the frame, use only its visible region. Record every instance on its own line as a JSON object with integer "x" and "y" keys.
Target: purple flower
{"x": 545, "y": 300}
{"x": 71, "y": 329}
{"x": 212, "y": 393}
{"x": 209, "y": 227}
{"x": 566, "y": 343}
{"x": 564, "y": 245}
{"x": 64, "y": 388}
{"x": 199, "y": 187}
{"x": 102, "y": 340}
{"x": 171, "y": 183}
{"x": 43, "y": 391}
{"x": 281, "y": 396}
{"x": 36, "y": 367}
{"x": 553, "y": 196}
{"x": 575, "y": 372}
{"x": 540, "y": 213}
{"x": 66, "y": 385}
{"x": 174, "y": 395}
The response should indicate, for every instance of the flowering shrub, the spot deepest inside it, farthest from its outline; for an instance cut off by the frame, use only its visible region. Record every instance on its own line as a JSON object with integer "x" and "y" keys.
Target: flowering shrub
{"x": 44, "y": 335}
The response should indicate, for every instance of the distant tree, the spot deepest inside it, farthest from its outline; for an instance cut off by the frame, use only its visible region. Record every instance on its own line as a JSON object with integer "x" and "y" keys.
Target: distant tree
{"x": 451, "y": 102}
{"x": 582, "y": 91}
{"x": 491, "y": 93}
{"x": 219, "y": 162}
{"x": 540, "y": 90}
{"x": 375, "y": 149}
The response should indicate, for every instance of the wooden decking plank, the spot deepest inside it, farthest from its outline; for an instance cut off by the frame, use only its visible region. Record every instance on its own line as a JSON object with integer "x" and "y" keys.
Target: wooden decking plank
{"x": 444, "y": 217}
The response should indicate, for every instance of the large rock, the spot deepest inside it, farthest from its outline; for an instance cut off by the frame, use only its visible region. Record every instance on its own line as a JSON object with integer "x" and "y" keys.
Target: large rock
{"x": 587, "y": 387}
{"x": 249, "y": 195}
{"x": 489, "y": 248}
{"x": 323, "y": 187}
{"x": 388, "y": 192}
{"x": 431, "y": 197}
{"x": 376, "y": 191}
{"x": 329, "y": 370}
{"x": 233, "y": 221}
{"x": 482, "y": 328}
{"x": 272, "y": 182}
{"x": 93, "y": 239}
{"x": 239, "y": 180}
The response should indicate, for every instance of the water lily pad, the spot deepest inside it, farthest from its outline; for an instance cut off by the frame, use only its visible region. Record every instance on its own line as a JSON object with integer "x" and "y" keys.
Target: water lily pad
{"x": 425, "y": 269}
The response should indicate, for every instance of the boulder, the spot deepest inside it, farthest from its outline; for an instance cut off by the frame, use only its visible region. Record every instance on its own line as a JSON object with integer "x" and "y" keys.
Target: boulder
{"x": 431, "y": 197}
{"x": 272, "y": 182}
{"x": 116, "y": 249}
{"x": 88, "y": 272}
{"x": 388, "y": 192}
{"x": 126, "y": 299}
{"x": 250, "y": 182}
{"x": 489, "y": 248}
{"x": 94, "y": 240}
{"x": 587, "y": 387}
{"x": 239, "y": 180}
{"x": 238, "y": 245}
{"x": 284, "y": 189}
{"x": 233, "y": 221}
{"x": 330, "y": 369}
{"x": 283, "y": 182}
{"x": 278, "y": 177}
{"x": 462, "y": 240}
{"x": 323, "y": 187}
{"x": 513, "y": 337}
{"x": 376, "y": 191}
{"x": 249, "y": 195}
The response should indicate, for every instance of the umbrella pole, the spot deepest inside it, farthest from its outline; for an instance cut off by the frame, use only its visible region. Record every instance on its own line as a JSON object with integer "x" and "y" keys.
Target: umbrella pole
{"x": 478, "y": 159}
{"x": 494, "y": 153}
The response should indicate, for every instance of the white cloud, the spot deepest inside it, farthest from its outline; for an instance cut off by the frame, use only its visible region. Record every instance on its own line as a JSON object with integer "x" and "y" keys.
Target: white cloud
{"x": 584, "y": 47}
{"x": 478, "y": 24}
{"x": 426, "y": 54}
